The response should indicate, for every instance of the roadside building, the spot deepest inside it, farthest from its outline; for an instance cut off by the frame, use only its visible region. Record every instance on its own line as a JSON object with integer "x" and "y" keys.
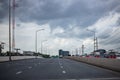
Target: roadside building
{"x": 63, "y": 53}
{"x": 100, "y": 53}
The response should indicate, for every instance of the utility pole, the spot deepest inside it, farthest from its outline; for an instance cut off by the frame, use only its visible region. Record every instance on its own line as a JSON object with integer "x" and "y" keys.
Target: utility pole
{"x": 13, "y": 25}
{"x": 79, "y": 51}
{"x": 83, "y": 49}
{"x": 95, "y": 40}
{"x": 0, "y": 49}
{"x": 96, "y": 44}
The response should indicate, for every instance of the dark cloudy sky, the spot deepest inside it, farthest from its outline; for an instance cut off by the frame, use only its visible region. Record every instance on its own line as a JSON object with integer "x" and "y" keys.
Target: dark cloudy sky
{"x": 65, "y": 23}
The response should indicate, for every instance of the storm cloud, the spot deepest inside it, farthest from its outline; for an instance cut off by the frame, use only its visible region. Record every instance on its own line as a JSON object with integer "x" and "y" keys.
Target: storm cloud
{"x": 3, "y": 10}
{"x": 69, "y": 19}
{"x": 62, "y": 13}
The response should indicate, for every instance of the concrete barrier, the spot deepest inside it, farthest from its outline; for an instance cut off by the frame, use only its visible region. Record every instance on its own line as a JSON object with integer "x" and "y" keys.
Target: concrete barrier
{"x": 6, "y": 58}
{"x": 2, "y": 59}
{"x": 112, "y": 64}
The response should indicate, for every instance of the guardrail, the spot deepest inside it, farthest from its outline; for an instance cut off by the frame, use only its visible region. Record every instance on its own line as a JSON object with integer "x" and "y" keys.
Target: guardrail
{"x": 112, "y": 64}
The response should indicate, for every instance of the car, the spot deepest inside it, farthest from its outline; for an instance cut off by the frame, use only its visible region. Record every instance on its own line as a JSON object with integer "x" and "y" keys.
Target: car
{"x": 113, "y": 55}
{"x": 60, "y": 56}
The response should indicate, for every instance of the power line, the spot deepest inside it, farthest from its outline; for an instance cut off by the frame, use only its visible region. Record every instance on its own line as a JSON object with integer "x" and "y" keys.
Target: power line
{"x": 112, "y": 37}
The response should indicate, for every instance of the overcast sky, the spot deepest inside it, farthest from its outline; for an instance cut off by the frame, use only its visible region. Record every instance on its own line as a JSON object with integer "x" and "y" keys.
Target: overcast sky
{"x": 65, "y": 23}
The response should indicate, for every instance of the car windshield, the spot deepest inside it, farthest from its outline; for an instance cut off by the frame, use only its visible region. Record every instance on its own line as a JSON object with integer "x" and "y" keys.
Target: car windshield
{"x": 59, "y": 39}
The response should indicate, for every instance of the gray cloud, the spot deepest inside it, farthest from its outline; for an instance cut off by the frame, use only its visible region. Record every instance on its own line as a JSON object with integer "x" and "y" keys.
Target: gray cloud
{"x": 112, "y": 40}
{"x": 75, "y": 32}
{"x": 80, "y": 12}
{"x": 3, "y": 9}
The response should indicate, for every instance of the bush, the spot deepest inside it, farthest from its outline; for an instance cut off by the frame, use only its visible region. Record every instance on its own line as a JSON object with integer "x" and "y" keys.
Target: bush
{"x": 45, "y": 56}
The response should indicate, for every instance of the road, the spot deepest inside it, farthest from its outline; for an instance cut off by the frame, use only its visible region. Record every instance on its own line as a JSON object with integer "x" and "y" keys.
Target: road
{"x": 54, "y": 68}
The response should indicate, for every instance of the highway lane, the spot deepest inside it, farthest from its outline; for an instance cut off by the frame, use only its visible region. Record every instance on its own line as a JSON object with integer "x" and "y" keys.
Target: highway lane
{"x": 39, "y": 69}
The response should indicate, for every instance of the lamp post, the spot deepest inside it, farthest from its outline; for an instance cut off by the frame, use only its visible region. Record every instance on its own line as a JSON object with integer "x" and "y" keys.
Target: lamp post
{"x": 9, "y": 30}
{"x": 42, "y": 45}
{"x": 36, "y": 40}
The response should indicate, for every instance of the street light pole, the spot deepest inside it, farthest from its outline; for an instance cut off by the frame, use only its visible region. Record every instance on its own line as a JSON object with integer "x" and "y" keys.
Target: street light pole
{"x": 9, "y": 30}
{"x": 83, "y": 49}
{"x": 13, "y": 24}
{"x": 36, "y": 40}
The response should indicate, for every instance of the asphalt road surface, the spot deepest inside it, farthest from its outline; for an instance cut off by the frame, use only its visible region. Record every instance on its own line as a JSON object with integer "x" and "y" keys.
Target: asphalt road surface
{"x": 60, "y": 69}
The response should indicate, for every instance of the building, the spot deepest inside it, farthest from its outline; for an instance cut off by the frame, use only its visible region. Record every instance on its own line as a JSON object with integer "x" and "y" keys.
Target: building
{"x": 63, "y": 53}
{"x": 99, "y": 53}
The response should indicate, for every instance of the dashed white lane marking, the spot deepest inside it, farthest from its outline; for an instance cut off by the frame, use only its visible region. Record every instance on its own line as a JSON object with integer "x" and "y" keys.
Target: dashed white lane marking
{"x": 63, "y": 72}
{"x": 30, "y": 67}
{"x": 19, "y": 72}
{"x": 85, "y": 79}
{"x": 60, "y": 63}
{"x": 61, "y": 66}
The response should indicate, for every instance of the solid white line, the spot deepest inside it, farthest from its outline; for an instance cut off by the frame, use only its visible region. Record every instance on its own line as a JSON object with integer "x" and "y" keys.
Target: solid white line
{"x": 102, "y": 79}
{"x": 19, "y": 72}
{"x": 63, "y": 72}
{"x": 110, "y": 78}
